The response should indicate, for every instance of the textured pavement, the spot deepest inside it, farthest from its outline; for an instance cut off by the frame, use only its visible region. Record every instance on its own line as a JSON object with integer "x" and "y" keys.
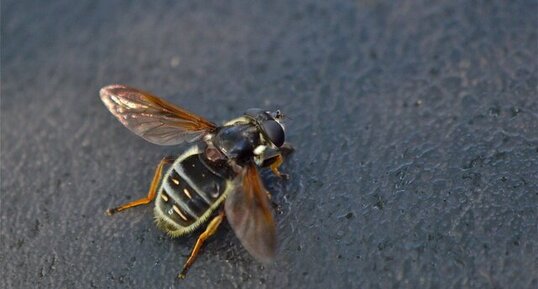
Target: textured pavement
{"x": 415, "y": 126}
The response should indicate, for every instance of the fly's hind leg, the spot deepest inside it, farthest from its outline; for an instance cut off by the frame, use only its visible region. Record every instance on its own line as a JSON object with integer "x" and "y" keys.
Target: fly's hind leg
{"x": 152, "y": 189}
{"x": 209, "y": 231}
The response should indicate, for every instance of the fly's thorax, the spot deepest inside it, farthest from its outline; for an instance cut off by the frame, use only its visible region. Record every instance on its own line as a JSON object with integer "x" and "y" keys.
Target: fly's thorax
{"x": 238, "y": 141}
{"x": 246, "y": 137}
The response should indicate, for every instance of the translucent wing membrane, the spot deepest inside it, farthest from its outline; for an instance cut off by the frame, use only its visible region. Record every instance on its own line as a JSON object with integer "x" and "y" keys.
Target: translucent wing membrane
{"x": 153, "y": 118}
{"x": 249, "y": 214}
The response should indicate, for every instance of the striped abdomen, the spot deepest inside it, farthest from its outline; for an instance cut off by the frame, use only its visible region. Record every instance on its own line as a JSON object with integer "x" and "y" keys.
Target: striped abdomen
{"x": 190, "y": 191}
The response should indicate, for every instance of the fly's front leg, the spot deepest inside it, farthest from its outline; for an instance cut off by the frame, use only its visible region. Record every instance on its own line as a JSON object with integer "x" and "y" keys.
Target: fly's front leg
{"x": 276, "y": 159}
{"x": 286, "y": 149}
{"x": 152, "y": 189}
{"x": 275, "y": 164}
{"x": 272, "y": 157}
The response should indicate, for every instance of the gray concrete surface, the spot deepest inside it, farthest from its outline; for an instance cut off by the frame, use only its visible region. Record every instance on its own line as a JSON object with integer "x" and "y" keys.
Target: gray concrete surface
{"x": 415, "y": 123}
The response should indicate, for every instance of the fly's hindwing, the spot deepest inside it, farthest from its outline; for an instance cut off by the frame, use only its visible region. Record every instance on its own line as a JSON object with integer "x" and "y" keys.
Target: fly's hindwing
{"x": 190, "y": 191}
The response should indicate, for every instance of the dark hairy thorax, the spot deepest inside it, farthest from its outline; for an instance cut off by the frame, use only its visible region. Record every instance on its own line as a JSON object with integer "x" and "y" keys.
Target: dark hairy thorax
{"x": 237, "y": 141}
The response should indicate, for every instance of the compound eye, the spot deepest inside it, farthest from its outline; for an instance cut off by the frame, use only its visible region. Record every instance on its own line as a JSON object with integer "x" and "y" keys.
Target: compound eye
{"x": 274, "y": 131}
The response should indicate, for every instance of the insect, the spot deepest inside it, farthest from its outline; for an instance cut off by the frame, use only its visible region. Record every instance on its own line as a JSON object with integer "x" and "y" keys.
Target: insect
{"x": 216, "y": 178}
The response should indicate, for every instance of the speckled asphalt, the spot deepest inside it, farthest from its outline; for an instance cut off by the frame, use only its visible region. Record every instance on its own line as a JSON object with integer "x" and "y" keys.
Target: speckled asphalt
{"x": 415, "y": 124}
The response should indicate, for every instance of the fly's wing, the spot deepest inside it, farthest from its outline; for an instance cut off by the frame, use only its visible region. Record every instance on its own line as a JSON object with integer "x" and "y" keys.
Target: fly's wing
{"x": 153, "y": 118}
{"x": 248, "y": 212}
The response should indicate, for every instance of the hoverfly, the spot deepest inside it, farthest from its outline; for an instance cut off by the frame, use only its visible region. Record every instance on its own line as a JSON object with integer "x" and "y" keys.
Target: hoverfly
{"x": 216, "y": 178}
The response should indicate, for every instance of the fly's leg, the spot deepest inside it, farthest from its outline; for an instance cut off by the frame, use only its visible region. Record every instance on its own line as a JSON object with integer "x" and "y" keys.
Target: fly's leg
{"x": 275, "y": 164}
{"x": 152, "y": 189}
{"x": 209, "y": 231}
{"x": 286, "y": 149}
